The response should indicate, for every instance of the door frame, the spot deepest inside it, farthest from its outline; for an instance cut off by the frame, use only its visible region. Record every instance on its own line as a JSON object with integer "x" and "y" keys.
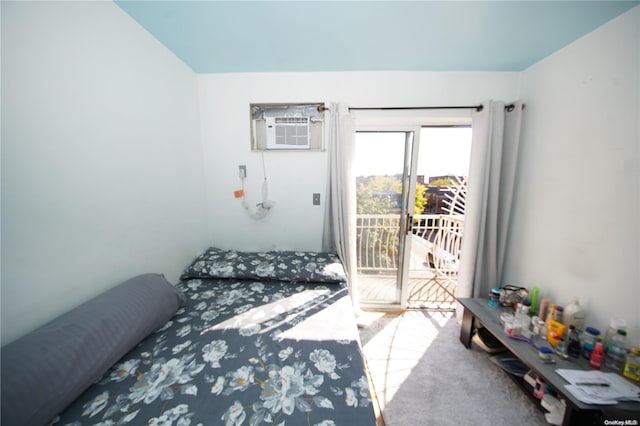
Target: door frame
{"x": 403, "y": 121}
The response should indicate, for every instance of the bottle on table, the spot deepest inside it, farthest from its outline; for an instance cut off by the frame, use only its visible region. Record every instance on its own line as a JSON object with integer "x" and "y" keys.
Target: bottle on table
{"x": 615, "y": 324}
{"x": 558, "y": 314}
{"x": 597, "y": 355}
{"x": 562, "y": 347}
{"x": 551, "y": 314}
{"x": 589, "y": 339}
{"x": 522, "y": 318}
{"x": 632, "y": 366}
{"x": 542, "y": 312}
{"x": 617, "y": 354}
{"x": 573, "y": 347}
{"x": 533, "y": 306}
{"x": 574, "y": 315}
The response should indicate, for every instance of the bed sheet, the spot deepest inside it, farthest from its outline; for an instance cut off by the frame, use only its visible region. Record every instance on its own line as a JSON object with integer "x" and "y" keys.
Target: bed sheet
{"x": 240, "y": 353}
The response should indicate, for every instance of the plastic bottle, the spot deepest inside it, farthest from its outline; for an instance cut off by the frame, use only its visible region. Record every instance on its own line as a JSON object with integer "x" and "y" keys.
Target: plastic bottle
{"x": 589, "y": 339}
{"x": 536, "y": 324}
{"x": 574, "y": 315}
{"x": 494, "y": 297}
{"x": 632, "y": 366}
{"x": 522, "y": 314}
{"x": 573, "y": 348}
{"x": 562, "y": 348}
{"x": 559, "y": 314}
{"x": 551, "y": 313}
{"x": 617, "y": 354}
{"x": 615, "y": 324}
{"x": 555, "y": 331}
{"x": 522, "y": 321}
{"x": 533, "y": 310}
{"x": 595, "y": 360}
{"x": 542, "y": 312}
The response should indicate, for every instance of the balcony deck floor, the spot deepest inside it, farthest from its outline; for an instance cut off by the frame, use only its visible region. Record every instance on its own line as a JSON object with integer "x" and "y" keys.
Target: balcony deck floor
{"x": 425, "y": 292}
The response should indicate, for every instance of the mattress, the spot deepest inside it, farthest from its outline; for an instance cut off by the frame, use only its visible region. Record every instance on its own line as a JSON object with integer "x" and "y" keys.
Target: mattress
{"x": 261, "y": 339}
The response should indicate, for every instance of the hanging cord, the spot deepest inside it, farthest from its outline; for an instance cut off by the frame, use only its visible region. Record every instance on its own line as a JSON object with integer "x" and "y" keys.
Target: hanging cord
{"x": 265, "y": 189}
{"x": 262, "y": 208}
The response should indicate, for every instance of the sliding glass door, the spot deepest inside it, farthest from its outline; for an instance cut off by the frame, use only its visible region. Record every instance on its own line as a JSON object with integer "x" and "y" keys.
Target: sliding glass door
{"x": 384, "y": 166}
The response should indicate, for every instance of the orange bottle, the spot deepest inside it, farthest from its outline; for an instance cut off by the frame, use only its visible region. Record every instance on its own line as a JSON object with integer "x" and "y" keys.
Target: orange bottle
{"x": 596, "y": 357}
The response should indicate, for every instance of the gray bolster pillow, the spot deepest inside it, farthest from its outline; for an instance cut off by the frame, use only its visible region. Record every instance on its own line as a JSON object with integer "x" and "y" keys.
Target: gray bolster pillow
{"x": 47, "y": 369}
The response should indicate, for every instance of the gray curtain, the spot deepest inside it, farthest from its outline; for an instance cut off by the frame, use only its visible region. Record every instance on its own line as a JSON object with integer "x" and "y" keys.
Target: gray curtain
{"x": 490, "y": 191}
{"x": 340, "y": 215}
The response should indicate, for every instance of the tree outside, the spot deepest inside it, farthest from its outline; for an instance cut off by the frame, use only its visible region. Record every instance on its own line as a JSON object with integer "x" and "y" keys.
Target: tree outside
{"x": 383, "y": 195}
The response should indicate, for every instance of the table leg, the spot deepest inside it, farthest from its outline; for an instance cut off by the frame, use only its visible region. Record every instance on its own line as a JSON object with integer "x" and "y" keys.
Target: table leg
{"x": 466, "y": 329}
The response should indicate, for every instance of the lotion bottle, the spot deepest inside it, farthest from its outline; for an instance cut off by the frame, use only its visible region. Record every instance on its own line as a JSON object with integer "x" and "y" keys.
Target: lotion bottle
{"x": 573, "y": 315}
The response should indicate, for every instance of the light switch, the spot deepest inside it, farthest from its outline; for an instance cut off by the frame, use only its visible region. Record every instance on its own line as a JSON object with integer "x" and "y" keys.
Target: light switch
{"x": 316, "y": 199}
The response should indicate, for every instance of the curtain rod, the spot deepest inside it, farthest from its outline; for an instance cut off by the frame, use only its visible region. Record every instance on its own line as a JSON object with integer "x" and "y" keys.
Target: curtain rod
{"x": 508, "y": 108}
{"x": 476, "y": 107}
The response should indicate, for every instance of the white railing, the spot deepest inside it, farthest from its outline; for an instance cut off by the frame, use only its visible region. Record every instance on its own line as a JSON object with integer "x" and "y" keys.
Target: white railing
{"x": 378, "y": 239}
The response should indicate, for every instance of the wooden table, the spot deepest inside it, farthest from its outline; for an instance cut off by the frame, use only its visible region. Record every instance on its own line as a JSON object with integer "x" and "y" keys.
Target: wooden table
{"x": 478, "y": 313}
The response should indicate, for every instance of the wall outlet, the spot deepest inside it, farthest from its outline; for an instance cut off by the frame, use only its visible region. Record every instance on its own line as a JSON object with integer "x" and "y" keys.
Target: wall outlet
{"x": 316, "y": 199}
{"x": 243, "y": 171}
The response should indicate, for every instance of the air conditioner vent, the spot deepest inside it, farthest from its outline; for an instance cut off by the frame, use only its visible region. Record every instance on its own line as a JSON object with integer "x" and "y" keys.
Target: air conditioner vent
{"x": 287, "y": 132}
{"x": 292, "y": 120}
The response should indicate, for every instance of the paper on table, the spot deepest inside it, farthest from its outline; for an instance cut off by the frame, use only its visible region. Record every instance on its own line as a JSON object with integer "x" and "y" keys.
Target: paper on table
{"x": 575, "y": 377}
{"x": 596, "y": 387}
{"x": 580, "y": 392}
{"x": 619, "y": 388}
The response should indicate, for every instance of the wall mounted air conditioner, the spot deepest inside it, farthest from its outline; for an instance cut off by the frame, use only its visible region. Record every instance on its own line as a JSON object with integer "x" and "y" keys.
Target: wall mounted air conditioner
{"x": 287, "y": 132}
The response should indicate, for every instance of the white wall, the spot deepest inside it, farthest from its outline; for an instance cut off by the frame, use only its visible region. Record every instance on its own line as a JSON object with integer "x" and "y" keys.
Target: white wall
{"x": 294, "y": 223}
{"x": 576, "y": 223}
{"x": 102, "y": 174}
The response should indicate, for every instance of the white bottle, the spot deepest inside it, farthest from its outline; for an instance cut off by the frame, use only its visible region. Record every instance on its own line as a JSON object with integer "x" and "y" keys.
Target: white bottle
{"x": 615, "y": 324}
{"x": 573, "y": 315}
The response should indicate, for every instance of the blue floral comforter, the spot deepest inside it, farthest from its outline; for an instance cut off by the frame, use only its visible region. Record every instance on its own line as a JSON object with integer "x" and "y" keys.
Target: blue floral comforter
{"x": 242, "y": 351}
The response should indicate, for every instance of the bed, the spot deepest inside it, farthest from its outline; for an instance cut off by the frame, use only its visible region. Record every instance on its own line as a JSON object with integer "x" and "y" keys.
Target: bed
{"x": 257, "y": 338}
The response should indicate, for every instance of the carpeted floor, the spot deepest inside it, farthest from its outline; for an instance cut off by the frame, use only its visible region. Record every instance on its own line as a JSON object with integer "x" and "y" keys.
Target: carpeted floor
{"x": 423, "y": 375}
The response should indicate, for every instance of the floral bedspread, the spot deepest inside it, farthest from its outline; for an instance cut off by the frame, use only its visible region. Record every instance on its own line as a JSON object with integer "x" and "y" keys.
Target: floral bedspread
{"x": 240, "y": 352}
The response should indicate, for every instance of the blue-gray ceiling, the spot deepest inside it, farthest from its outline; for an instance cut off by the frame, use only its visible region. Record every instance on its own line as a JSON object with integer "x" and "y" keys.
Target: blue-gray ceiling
{"x": 282, "y": 36}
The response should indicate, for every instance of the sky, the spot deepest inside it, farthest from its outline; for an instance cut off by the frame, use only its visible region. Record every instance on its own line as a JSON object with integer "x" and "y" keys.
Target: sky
{"x": 443, "y": 150}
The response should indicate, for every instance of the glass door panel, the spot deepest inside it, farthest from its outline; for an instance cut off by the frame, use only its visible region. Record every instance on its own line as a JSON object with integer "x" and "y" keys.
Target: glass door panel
{"x": 441, "y": 174}
{"x": 382, "y": 166}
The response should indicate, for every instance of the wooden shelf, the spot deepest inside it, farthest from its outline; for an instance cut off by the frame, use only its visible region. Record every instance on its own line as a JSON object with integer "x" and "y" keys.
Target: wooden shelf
{"x": 478, "y": 313}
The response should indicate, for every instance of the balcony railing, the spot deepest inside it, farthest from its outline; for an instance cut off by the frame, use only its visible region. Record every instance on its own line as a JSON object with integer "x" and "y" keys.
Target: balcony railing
{"x": 378, "y": 239}
{"x": 377, "y": 242}
{"x": 435, "y": 252}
